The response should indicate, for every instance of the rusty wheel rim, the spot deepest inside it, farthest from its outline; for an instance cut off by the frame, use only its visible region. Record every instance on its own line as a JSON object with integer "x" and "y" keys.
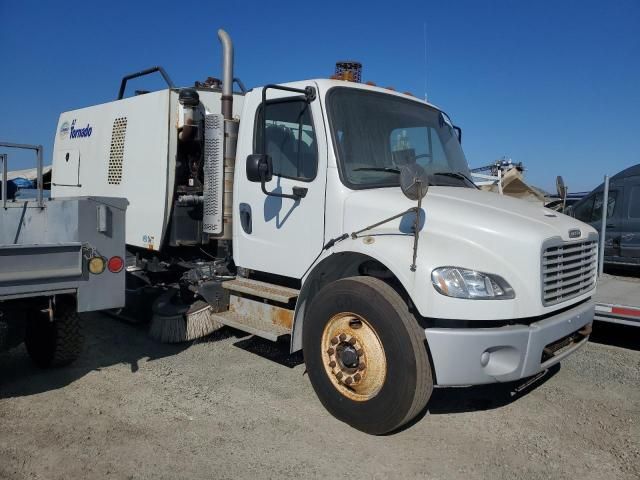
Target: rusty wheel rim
{"x": 353, "y": 356}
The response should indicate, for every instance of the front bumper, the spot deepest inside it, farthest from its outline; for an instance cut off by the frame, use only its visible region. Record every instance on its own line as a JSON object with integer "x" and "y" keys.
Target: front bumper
{"x": 474, "y": 356}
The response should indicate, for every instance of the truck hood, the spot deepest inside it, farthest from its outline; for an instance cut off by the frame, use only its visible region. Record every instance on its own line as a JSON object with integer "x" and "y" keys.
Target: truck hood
{"x": 460, "y": 208}
{"x": 466, "y": 228}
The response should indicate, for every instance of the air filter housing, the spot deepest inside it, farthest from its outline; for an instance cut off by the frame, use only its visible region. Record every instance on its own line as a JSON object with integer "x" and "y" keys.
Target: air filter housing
{"x": 213, "y": 173}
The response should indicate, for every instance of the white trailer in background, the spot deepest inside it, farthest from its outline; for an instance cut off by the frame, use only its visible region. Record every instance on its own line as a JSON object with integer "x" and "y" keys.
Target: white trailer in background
{"x": 618, "y": 300}
{"x": 302, "y": 210}
{"x": 617, "y": 296}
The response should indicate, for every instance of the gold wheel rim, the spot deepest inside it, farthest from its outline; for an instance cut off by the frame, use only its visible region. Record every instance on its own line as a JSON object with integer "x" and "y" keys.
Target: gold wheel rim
{"x": 353, "y": 356}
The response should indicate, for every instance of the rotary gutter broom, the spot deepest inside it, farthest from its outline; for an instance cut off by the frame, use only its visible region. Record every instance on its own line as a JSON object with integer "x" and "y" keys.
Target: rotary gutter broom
{"x": 175, "y": 322}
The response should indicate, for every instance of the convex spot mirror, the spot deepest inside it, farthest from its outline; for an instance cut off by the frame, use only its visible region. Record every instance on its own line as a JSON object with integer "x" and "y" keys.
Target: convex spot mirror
{"x": 414, "y": 181}
{"x": 458, "y": 131}
{"x": 561, "y": 188}
{"x": 259, "y": 168}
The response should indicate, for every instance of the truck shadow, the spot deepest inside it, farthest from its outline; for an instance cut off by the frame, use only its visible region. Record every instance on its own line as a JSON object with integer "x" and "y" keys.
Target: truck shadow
{"x": 479, "y": 397}
{"x": 623, "y": 336}
{"x": 111, "y": 341}
{"x": 107, "y": 342}
{"x": 276, "y": 352}
{"x": 485, "y": 397}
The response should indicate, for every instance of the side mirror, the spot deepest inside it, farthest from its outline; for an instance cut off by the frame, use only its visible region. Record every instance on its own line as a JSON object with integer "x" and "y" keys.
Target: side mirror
{"x": 259, "y": 168}
{"x": 458, "y": 131}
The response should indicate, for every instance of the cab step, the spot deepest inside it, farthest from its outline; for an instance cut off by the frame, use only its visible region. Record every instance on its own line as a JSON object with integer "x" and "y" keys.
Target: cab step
{"x": 257, "y": 318}
{"x": 262, "y": 290}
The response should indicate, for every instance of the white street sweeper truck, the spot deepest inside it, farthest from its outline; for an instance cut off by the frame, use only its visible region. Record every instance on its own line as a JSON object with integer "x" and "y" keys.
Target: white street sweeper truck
{"x": 340, "y": 215}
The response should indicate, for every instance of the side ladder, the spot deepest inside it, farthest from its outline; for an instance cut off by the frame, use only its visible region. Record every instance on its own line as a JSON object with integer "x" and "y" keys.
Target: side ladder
{"x": 259, "y": 308}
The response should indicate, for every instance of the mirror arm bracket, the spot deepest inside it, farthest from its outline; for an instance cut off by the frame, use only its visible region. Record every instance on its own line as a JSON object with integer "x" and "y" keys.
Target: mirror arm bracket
{"x": 309, "y": 93}
{"x": 298, "y": 192}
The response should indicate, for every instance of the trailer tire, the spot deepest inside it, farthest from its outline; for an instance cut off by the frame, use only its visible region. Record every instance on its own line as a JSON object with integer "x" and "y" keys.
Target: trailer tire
{"x": 366, "y": 356}
{"x": 57, "y": 343}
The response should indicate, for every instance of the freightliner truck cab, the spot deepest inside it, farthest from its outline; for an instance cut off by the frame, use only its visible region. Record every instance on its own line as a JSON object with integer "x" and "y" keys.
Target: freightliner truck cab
{"x": 345, "y": 218}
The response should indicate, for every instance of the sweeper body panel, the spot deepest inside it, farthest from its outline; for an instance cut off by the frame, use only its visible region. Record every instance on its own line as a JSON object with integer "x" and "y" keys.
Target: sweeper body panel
{"x": 339, "y": 214}
{"x": 131, "y": 148}
{"x": 58, "y": 258}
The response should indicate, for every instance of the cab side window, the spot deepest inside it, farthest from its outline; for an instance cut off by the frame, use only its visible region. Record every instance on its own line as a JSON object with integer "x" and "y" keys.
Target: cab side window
{"x": 597, "y": 206}
{"x": 582, "y": 211}
{"x": 590, "y": 209}
{"x": 290, "y": 139}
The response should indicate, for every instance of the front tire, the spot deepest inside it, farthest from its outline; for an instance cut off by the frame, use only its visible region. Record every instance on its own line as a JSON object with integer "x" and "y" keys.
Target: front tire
{"x": 54, "y": 343}
{"x": 365, "y": 355}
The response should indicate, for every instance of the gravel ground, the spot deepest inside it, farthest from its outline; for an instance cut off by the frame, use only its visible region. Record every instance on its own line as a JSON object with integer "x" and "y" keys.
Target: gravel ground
{"x": 238, "y": 407}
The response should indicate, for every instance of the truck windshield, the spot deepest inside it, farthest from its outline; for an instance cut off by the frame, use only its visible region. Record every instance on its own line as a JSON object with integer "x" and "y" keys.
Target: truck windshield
{"x": 375, "y": 134}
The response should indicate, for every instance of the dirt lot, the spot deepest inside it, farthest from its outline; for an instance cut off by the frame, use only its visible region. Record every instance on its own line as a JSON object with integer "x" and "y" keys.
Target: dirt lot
{"x": 238, "y": 407}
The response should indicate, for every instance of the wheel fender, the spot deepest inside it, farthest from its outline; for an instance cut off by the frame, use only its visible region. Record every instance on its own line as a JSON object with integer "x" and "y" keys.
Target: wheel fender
{"x": 343, "y": 261}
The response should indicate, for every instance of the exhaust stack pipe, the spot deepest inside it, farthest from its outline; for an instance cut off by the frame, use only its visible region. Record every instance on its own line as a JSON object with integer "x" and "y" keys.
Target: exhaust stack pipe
{"x": 227, "y": 74}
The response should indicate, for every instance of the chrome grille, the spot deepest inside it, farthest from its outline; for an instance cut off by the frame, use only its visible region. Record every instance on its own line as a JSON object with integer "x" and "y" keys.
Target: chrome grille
{"x": 568, "y": 270}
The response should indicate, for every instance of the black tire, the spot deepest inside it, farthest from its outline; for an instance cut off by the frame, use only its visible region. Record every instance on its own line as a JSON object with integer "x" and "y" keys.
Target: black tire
{"x": 57, "y": 343}
{"x": 408, "y": 382}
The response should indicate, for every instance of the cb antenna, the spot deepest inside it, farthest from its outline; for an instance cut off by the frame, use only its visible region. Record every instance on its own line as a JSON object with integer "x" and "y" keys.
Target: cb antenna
{"x": 425, "y": 60}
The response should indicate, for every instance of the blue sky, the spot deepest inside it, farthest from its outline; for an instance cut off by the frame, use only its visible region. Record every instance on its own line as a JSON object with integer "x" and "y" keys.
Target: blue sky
{"x": 554, "y": 84}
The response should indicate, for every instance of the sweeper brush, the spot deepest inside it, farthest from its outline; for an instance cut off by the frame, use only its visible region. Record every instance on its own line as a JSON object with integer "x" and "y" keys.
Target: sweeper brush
{"x": 174, "y": 322}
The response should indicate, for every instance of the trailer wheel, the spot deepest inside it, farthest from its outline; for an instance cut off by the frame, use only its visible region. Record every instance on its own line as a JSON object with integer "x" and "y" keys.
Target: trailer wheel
{"x": 57, "y": 343}
{"x": 365, "y": 355}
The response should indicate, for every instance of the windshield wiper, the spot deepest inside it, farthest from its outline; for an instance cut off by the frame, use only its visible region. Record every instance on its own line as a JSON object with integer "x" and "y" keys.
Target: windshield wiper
{"x": 459, "y": 175}
{"x": 377, "y": 169}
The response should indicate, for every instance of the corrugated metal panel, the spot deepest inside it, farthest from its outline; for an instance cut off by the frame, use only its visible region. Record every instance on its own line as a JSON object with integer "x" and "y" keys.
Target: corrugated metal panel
{"x": 213, "y": 173}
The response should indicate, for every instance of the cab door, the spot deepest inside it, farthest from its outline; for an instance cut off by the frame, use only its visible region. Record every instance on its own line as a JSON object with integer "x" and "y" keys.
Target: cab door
{"x": 272, "y": 234}
{"x": 613, "y": 225}
{"x": 589, "y": 210}
{"x": 630, "y": 232}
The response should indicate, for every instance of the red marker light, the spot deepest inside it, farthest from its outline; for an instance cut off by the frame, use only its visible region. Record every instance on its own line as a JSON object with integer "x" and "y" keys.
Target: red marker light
{"x": 115, "y": 264}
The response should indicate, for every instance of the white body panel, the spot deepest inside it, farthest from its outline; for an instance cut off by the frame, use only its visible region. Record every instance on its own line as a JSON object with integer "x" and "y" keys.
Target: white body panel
{"x": 144, "y": 165}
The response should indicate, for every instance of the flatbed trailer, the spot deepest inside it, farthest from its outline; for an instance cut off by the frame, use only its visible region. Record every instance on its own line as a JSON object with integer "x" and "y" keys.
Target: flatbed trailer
{"x": 58, "y": 257}
{"x": 618, "y": 300}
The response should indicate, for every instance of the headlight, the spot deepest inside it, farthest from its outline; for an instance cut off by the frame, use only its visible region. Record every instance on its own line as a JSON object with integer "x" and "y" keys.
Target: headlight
{"x": 462, "y": 283}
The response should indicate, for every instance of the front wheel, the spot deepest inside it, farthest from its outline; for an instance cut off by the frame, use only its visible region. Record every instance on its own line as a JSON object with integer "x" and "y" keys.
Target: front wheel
{"x": 365, "y": 355}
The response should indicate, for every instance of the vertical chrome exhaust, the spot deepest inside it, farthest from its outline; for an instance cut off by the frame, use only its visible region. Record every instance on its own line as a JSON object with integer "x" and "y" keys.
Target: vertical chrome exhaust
{"x": 227, "y": 74}
{"x": 221, "y": 137}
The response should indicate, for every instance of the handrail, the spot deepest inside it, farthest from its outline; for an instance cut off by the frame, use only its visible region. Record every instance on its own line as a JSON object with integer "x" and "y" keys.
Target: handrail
{"x": 142, "y": 73}
{"x": 23, "y": 146}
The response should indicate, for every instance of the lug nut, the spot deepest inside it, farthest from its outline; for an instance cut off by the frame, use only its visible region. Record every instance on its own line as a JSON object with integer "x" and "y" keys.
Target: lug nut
{"x": 339, "y": 375}
{"x": 359, "y": 351}
{"x": 331, "y": 351}
{"x": 352, "y": 340}
{"x": 332, "y": 364}
{"x": 343, "y": 337}
{"x": 334, "y": 340}
{"x": 357, "y": 377}
{"x": 362, "y": 366}
{"x": 349, "y": 381}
